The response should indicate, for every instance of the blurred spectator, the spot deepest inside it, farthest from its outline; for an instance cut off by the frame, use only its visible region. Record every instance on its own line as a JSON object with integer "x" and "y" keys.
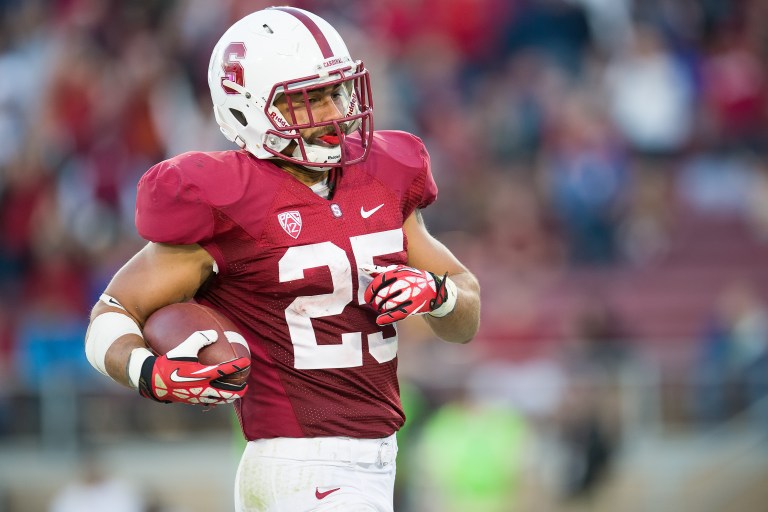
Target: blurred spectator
{"x": 734, "y": 90}
{"x": 586, "y": 177}
{"x": 731, "y": 370}
{"x": 589, "y": 448}
{"x": 95, "y": 490}
{"x": 650, "y": 94}
{"x": 25, "y": 200}
{"x": 516, "y": 103}
{"x": 25, "y": 55}
{"x": 558, "y": 28}
{"x": 516, "y": 229}
{"x": 589, "y": 419}
{"x": 596, "y": 338}
{"x": 473, "y": 456}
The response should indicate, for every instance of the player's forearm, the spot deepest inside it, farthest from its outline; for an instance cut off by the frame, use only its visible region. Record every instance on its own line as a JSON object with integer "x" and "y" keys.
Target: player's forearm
{"x": 118, "y": 356}
{"x": 461, "y": 325}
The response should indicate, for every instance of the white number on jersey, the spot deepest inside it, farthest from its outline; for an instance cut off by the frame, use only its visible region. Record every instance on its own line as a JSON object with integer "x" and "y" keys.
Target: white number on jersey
{"x": 307, "y": 353}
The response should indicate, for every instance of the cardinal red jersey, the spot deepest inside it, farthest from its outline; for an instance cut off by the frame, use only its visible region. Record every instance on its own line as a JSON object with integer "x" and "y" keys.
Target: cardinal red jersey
{"x": 288, "y": 275}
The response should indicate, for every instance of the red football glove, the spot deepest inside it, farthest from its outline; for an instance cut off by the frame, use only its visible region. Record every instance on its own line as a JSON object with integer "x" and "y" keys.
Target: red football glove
{"x": 178, "y": 376}
{"x": 398, "y": 292}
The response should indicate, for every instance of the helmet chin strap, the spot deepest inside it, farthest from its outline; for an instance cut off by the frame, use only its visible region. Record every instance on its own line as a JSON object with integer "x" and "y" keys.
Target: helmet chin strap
{"x": 325, "y": 154}
{"x": 318, "y": 154}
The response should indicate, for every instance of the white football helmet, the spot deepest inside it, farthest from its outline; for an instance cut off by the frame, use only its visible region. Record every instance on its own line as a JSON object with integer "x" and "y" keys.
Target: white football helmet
{"x": 288, "y": 51}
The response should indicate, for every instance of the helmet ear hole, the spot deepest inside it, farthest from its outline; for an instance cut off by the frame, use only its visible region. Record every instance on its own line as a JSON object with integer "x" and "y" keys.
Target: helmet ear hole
{"x": 239, "y": 116}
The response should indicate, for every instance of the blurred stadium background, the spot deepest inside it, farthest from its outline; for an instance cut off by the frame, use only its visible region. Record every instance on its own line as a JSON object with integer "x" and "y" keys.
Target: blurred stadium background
{"x": 602, "y": 168}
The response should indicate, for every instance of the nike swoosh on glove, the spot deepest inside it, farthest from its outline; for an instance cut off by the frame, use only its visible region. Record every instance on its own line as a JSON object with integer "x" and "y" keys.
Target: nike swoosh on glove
{"x": 399, "y": 291}
{"x": 178, "y": 375}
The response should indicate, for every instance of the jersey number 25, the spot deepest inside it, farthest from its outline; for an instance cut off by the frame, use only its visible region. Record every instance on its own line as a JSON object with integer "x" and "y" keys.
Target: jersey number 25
{"x": 307, "y": 353}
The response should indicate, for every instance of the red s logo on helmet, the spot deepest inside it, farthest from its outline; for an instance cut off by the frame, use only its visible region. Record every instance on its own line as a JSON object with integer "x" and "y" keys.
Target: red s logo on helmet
{"x": 233, "y": 70}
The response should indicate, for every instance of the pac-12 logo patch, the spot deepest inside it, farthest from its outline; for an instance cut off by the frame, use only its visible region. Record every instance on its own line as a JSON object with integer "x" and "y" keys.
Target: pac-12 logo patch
{"x": 291, "y": 222}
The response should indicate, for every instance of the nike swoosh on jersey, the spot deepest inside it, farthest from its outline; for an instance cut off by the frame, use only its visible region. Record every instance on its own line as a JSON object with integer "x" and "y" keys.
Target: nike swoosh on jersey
{"x": 320, "y": 495}
{"x": 175, "y": 377}
{"x": 365, "y": 214}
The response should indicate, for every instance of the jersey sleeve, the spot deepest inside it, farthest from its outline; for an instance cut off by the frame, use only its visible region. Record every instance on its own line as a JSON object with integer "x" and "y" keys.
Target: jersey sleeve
{"x": 413, "y": 179}
{"x": 170, "y": 207}
{"x": 422, "y": 190}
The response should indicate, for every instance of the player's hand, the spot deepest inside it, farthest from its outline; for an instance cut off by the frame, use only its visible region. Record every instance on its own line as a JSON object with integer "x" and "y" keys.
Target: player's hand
{"x": 178, "y": 376}
{"x": 398, "y": 292}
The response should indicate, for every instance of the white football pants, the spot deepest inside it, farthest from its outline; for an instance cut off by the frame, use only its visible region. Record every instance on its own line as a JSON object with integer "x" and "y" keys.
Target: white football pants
{"x": 321, "y": 474}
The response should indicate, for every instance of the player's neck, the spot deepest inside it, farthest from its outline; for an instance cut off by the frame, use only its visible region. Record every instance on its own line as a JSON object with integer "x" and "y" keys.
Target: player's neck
{"x": 305, "y": 176}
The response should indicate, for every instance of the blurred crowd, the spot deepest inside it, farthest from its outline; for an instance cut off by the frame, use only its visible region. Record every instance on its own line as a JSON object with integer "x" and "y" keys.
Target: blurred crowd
{"x": 590, "y": 154}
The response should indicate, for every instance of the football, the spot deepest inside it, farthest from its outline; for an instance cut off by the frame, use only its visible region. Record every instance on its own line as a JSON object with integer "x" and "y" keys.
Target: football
{"x": 167, "y": 327}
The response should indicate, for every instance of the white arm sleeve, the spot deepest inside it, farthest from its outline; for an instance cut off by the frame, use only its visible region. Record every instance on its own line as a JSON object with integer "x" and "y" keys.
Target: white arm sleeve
{"x": 103, "y": 332}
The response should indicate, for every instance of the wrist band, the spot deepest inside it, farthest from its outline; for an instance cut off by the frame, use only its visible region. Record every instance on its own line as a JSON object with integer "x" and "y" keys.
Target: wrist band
{"x": 103, "y": 332}
{"x": 135, "y": 364}
{"x": 450, "y": 300}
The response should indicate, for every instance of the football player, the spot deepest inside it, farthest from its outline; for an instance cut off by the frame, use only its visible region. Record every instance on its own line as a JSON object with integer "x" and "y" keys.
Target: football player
{"x": 309, "y": 237}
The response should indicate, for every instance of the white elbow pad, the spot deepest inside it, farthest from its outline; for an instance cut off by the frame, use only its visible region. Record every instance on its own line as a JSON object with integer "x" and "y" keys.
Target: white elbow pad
{"x": 103, "y": 332}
